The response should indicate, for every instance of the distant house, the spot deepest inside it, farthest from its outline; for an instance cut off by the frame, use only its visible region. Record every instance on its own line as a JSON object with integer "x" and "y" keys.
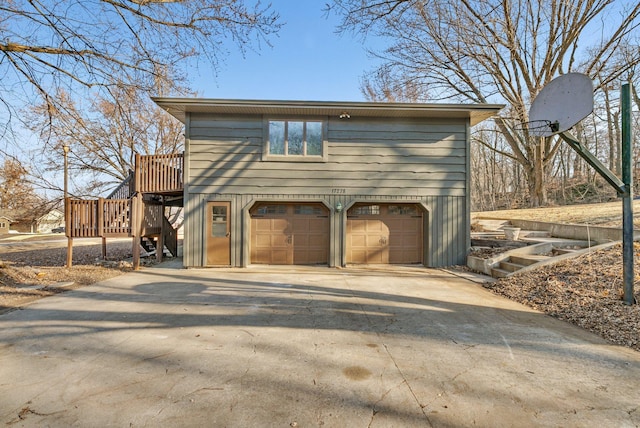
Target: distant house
{"x": 33, "y": 222}
{"x": 5, "y": 223}
{"x": 325, "y": 183}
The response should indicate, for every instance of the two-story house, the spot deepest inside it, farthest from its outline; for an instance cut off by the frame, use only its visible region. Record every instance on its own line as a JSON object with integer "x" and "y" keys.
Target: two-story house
{"x": 325, "y": 183}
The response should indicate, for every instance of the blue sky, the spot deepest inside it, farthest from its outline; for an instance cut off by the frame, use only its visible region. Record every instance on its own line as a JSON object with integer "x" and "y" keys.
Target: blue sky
{"x": 307, "y": 61}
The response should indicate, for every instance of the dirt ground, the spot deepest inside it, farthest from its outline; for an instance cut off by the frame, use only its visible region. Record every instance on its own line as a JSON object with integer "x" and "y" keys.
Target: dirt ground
{"x": 586, "y": 291}
{"x": 33, "y": 268}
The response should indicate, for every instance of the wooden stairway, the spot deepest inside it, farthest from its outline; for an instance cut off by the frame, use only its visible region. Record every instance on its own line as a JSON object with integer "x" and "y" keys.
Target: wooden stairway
{"x": 135, "y": 209}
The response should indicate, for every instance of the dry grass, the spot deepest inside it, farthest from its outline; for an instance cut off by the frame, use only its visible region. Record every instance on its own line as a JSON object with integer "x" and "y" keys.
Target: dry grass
{"x": 606, "y": 215}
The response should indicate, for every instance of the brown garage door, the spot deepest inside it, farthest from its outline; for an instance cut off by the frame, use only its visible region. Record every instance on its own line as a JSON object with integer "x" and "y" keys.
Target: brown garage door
{"x": 289, "y": 234}
{"x": 384, "y": 233}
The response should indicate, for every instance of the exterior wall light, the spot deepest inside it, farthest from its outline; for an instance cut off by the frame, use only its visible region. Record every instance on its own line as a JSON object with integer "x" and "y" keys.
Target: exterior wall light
{"x": 339, "y": 207}
{"x": 345, "y": 115}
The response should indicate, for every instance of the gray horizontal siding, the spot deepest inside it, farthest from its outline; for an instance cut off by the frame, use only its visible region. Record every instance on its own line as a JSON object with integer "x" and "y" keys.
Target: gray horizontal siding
{"x": 238, "y": 164}
{"x": 367, "y": 157}
{"x": 302, "y": 188}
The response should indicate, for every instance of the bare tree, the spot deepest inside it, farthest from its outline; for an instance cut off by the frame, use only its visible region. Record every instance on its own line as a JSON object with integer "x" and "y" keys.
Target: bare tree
{"x": 500, "y": 51}
{"x": 103, "y": 136}
{"x": 54, "y": 46}
{"x": 16, "y": 192}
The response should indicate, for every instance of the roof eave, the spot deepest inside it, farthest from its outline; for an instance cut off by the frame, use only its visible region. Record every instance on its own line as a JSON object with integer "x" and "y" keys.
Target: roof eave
{"x": 179, "y": 107}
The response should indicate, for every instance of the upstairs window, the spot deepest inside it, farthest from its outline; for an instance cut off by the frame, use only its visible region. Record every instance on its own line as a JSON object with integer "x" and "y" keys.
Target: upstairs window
{"x": 295, "y": 140}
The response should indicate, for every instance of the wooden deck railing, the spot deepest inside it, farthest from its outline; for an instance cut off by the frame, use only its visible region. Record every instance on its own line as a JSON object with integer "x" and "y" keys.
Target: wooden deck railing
{"x": 116, "y": 217}
{"x": 170, "y": 237}
{"x": 152, "y": 220}
{"x": 82, "y": 219}
{"x": 111, "y": 218}
{"x": 97, "y": 218}
{"x": 125, "y": 189}
{"x": 159, "y": 173}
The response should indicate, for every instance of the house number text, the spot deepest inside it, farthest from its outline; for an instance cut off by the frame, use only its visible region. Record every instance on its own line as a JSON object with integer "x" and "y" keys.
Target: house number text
{"x": 334, "y": 191}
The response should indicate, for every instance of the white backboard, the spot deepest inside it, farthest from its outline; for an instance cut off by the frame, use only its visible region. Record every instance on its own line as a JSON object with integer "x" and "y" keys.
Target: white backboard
{"x": 565, "y": 101}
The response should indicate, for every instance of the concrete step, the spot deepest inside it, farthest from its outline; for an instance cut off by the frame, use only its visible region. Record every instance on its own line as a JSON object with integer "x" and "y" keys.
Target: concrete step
{"x": 560, "y": 251}
{"x": 490, "y": 225}
{"x": 499, "y": 273}
{"x": 534, "y": 234}
{"x": 528, "y": 259}
{"x": 510, "y": 266}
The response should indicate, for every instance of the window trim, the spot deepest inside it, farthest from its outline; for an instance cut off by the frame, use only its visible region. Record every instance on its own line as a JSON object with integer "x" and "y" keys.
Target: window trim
{"x": 267, "y": 156}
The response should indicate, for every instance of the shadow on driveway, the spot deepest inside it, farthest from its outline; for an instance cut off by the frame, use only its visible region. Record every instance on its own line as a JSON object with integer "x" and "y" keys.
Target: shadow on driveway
{"x": 305, "y": 347}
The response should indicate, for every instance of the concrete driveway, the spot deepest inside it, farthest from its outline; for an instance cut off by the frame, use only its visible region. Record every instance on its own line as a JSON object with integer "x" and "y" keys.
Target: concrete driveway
{"x": 315, "y": 347}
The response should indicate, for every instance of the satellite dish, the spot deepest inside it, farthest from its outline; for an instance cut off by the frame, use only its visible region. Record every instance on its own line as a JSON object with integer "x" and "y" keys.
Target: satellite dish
{"x": 565, "y": 101}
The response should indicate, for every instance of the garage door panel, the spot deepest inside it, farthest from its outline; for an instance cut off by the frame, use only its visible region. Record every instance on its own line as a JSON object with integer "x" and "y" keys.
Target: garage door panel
{"x": 395, "y": 224}
{"x": 407, "y": 257}
{"x": 317, "y": 225}
{"x": 299, "y": 225}
{"x": 358, "y": 226}
{"x": 358, "y": 241}
{"x": 360, "y": 255}
{"x": 262, "y": 241}
{"x": 410, "y": 241}
{"x": 377, "y": 226}
{"x": 309, "y": 257}
{"x": 383, "y": 235}
{"x": 278, "y": 257}
{"x": 301, "y": 240}
{"x": 279, "y": 241}
{"x": 373, "y": 241}
{"x": 297, "y": 234}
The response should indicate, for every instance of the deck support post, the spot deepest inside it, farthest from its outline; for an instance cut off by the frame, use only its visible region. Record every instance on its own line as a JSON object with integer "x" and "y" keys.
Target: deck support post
{"x": 69, "y": 251}
{"x": 136, "y": 221}
{"x": 160, "y": 242}
{"x": 67, "y": 230}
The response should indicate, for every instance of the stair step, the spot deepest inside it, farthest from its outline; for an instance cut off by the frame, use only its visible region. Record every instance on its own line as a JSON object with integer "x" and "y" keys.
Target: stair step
{"x": 499, "y": 273}
{"x": 535, "y": 234}
{"x": 529, "y": 259}
{"x": 510, "y": 266}
{"x": 563, "y": 251}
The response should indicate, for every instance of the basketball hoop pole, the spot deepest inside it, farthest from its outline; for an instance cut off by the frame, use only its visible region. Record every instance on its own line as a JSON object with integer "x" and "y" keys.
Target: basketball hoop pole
{"x": 624, "y": 187}
{"x": 565, "y": 101}
{"x": 627, "y": 205}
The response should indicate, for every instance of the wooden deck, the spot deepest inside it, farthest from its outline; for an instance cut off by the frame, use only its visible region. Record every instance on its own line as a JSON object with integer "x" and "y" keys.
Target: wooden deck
{"x": 159, "y": 173}
{"x": 127, "y": 213}
{"x": 111, "y": 218}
